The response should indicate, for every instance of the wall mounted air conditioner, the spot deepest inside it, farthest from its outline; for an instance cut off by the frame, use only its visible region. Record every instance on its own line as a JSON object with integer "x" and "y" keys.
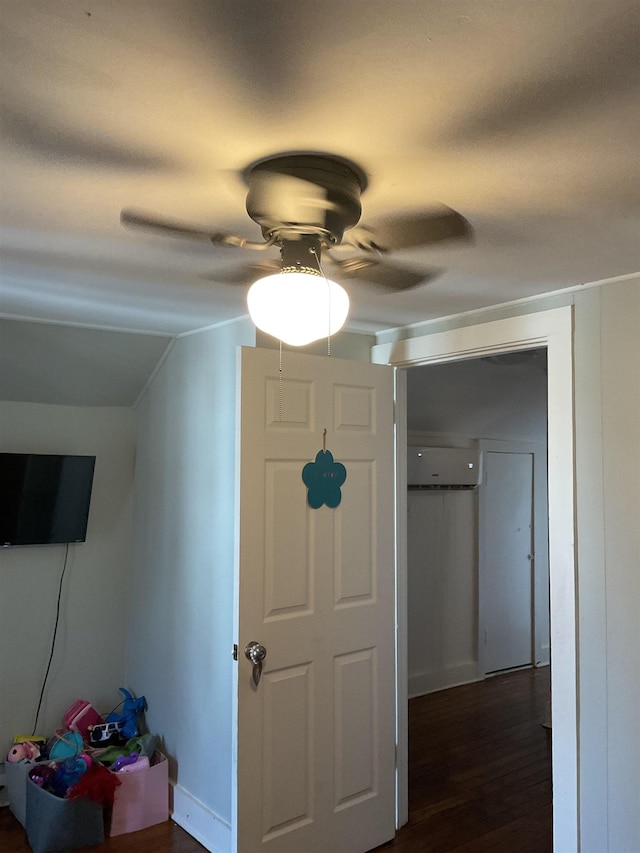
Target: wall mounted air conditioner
{"x": 443, "y": 467}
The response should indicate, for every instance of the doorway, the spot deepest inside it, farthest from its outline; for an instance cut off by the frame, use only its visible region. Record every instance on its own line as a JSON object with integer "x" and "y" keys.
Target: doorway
{"x": 471, "y": 583}
{"x": 478, "y": 601}
{"x": 551, "y": 329}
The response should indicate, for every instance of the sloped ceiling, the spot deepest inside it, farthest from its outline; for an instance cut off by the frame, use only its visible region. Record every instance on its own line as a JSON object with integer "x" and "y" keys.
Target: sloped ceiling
{"x": 75, "y": 366}
{"x": 499, "y": 397}
{"x": 523, "y": 116}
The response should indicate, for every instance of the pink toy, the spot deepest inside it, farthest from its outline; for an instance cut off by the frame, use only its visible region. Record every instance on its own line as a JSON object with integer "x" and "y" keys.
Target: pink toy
{"x": 141, "y": 764}
{"x": 130, "y": 763}
{"x": 25, "y": 751}
{"x": 80, "y": 717}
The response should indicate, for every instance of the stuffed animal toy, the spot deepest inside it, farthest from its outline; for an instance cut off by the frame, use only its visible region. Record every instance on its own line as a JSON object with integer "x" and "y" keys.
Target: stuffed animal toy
{"x": 24, "y": 751}
{"x": 131, "y": 710}
{"x": 97, "y": 784}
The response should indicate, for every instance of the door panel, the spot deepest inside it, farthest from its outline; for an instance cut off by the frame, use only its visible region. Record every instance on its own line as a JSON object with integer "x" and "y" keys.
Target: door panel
{"x": 506, "y": 581}
{"x": 287, "y": 750}
{"x": 355, "y": 541}
{"x": 287, "y": 542}
{"x": 355, "y": 741}
{"x": 316, "y": 738}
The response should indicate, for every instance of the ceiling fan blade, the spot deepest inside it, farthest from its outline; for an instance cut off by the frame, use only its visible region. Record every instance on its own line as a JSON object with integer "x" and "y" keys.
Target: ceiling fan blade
{"x": 411, "y": 230}
{"x": 386, "y": 278}
{"x": 245, "y": 274}
{"x": 137, "y": 219}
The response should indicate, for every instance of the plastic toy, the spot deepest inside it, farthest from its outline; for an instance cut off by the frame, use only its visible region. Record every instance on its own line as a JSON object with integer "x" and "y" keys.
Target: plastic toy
{"x": 123, "y": 760}
{"x": 65, "y": 744}
{"x": 43, "y": 774}
{"x": 103, "y": 734}
{"x": 80, "y": 716}
{"x": 24, "y": 751}
{"x": 141, "y": 764}
{"x": 144, "y": 745}
{"x": 68, "y": 774}
{"x": 58, "y": 779}
{"x": 131, "y": 710}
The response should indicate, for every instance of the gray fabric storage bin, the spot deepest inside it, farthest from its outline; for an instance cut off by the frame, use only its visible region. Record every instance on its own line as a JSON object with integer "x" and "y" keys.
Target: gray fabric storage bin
{"x": 16, "y": 782}
{"x": 55, "y": 825}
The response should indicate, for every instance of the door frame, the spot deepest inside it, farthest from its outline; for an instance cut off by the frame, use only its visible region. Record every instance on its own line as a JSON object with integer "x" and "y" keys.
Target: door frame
{"x": 552, "y": 329}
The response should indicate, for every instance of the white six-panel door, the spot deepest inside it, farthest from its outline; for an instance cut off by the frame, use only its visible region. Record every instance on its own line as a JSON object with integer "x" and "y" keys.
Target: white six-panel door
{"x": 506, "y": 562}
{"x": 316, "y": 737}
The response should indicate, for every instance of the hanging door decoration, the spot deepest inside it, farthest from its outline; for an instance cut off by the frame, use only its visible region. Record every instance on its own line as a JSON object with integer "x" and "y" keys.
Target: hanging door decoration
{"x": 323, "y": 478}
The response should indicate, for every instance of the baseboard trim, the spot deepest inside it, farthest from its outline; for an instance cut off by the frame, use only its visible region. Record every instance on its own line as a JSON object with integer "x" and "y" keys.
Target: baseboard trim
{"x": 201, "y": 822}
{"x": 442, "y": 679}
{"x": 544, "y": 654}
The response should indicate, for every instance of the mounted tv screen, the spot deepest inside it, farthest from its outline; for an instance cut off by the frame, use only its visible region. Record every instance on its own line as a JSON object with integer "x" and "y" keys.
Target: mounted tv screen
{"x": 44, "y": 498}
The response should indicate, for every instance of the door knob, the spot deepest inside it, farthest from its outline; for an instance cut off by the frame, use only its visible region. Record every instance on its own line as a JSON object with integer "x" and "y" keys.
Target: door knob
{"x": 255, "y": 653}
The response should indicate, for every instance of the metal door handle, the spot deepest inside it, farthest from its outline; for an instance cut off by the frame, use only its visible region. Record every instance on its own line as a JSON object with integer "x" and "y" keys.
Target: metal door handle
{"x": 255, "y": 653}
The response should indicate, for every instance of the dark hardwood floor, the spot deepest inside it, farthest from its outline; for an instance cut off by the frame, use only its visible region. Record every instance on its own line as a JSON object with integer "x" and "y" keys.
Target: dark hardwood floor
{"x": 479, "y": 777}
{"x": 480, "y": 769}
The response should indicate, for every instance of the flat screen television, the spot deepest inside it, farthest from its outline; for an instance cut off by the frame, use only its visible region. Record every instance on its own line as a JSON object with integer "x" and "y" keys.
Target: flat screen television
{"x": 44, "y": 498}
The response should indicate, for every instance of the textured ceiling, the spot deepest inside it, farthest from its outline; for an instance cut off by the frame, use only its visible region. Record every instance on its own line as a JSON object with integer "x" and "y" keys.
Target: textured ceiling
{"x": 523, "y": 116}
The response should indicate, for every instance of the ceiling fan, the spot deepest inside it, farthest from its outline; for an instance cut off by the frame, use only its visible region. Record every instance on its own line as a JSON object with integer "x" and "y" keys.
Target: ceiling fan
{"x": 309, "y": 203}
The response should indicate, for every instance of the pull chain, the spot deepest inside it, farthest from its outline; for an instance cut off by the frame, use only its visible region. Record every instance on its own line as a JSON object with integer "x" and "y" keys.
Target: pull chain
{"x": 280, "y": 386}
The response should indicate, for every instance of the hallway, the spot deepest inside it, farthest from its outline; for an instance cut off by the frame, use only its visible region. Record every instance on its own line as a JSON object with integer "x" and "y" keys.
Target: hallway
{"x": 480, "y": 768}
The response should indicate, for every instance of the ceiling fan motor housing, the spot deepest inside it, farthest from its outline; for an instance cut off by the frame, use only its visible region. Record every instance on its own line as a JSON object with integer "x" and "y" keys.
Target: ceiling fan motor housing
{"x": 304, "y": 203}
{"x": 301, "y": 254}
{"x": 305, "y": 194}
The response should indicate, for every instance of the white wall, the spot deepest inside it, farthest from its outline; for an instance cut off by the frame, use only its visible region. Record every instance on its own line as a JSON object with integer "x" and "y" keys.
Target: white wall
{"x": 442, "y": 589}
{"x": 89, "y": 655}
{"x": 607, "y": 401}
{"x": 181, "y": 593}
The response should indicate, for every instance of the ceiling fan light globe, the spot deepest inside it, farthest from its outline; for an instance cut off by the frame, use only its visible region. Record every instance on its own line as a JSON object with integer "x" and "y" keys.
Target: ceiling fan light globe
{"x": 298, "y": 308}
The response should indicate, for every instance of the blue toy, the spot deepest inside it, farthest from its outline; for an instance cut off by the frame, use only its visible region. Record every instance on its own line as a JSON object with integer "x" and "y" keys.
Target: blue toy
{"x": 67, "y": 774}
{"x": 131, "y": 710}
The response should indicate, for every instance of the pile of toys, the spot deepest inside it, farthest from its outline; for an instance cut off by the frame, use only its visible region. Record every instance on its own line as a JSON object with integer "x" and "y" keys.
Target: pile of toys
{"x": 75, "y": 778}
{"x": 96, "y": 777}
{"x": 76, "y": 761}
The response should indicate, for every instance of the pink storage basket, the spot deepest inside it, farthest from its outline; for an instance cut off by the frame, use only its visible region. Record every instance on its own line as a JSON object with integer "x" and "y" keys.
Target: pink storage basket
{"x": 142, "y": 798}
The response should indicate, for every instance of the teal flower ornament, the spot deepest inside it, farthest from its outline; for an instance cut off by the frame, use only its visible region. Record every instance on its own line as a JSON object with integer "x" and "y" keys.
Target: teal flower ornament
{"x": 323, "y": 479}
